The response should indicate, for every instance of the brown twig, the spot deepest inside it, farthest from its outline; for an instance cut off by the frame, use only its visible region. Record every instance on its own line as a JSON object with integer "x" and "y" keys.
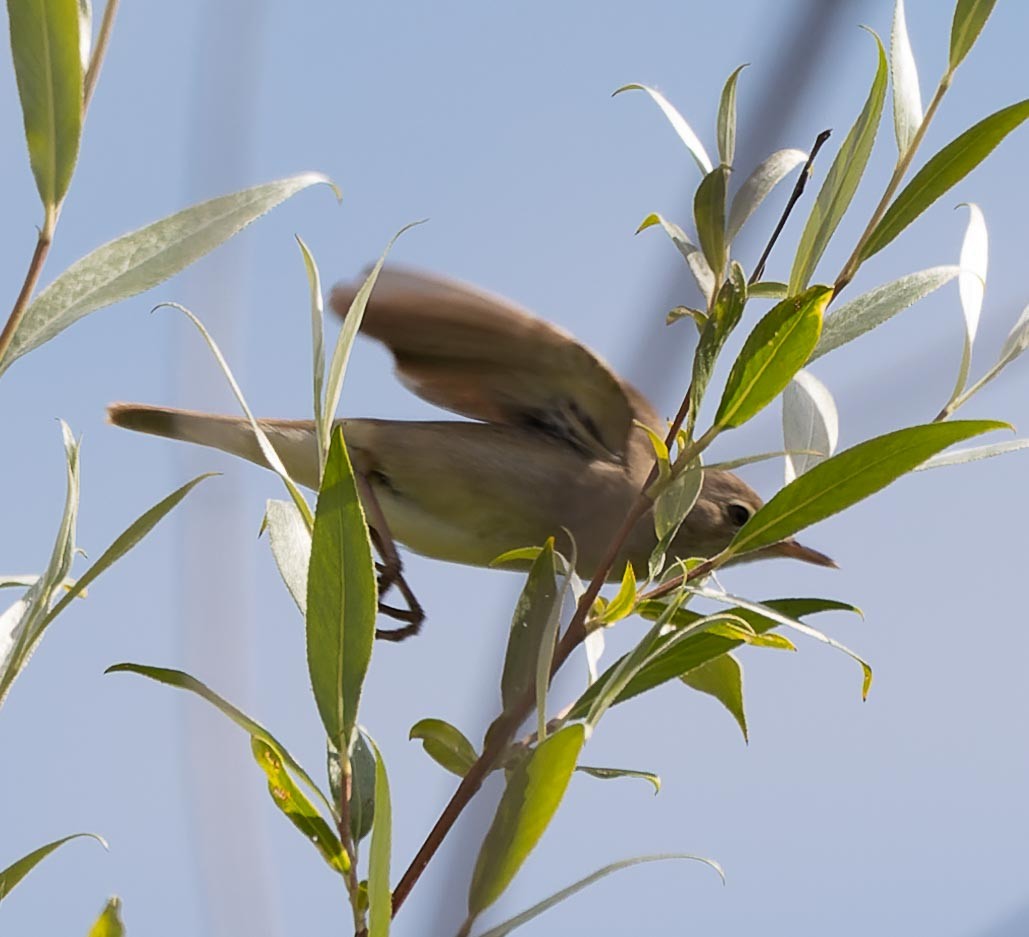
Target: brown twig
{"x": 346, "y": 838}
{"x": 795, "y": 195}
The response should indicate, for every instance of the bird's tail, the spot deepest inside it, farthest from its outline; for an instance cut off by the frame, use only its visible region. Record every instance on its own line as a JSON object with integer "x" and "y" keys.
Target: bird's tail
{"x": 293, "y": 440}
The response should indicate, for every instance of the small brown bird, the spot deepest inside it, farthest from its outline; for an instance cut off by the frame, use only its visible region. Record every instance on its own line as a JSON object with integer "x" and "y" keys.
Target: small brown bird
{"x": 554, "y": 443}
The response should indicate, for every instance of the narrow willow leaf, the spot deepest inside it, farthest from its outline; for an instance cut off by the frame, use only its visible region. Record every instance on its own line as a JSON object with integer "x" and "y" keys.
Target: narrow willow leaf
{"x": 531, "y": 798}
{"x": 750, "y": 638}
{"x": 685, "y": 312}
{"x": 125, "y": 541}
{"x": 314, "y": 286}
{"x": 611, "y": 774}
{"x": 670, "y": 510}
{"x": 907, "y": 97}
{"x": 362, "y": 785}
{"x": 973, "y": 454}
{"x": 22, "y": 626}
{"x": 877, "y": 306}
{"x": 342, "y": 598}
{"x": 768, "y": 289}
{"x": 774, "y": 351}
{"x": 621, "y": 605}
{"x": 842, "y": 181}
{"x": 693, "y": 256}
{"x": 347, "y": 334}
{"x": 849, "y": 477}
{"x": 725, "y": 316}
{"x": 809, "y": 422}
{"x": 758, "y": 184}
{"x": 109, "y": 923}
{"x": 970, "y": 17}
{"x": 971, "y": 286}
{"x": 15, "y": 872}
{"x": 668, "y": 660}
{"x": 721, "y": 678}
{"x": 48, "y": 68}
{"x": 502, "y": 930}
{"x": 85, "y": 35}
{"x": 518, "y": 557}
{"x": 1014, "y": 345}
{"x": 298, "y": 809}
{"x": 290, "y": 541}
{"x": 183, "y": 681}
{"x": 727, "y": 119}
{"x": 138, "y": 261}
{"x": 678, "y": 123}
{"x": 944, "y": 170}
{"x": 380, "y": 903}
{"x": 709, "y": 216}
{"x": 528, "y": 624}
{"x": 445, "y": 744}
{"x": 790, "y": 622}
{"x": 731, "y": 464}
{"x": 263, "y": 442}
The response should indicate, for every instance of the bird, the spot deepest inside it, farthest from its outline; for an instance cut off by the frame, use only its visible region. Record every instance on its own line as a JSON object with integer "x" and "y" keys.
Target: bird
{"x": 553, "y": 439}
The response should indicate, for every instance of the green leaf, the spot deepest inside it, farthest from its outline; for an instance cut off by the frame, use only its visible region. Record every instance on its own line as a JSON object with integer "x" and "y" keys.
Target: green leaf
{"x": 502, "y": 930}
{"x": 298, "y": 809}
{"x": 907, "y": 97}
{"x": 362, "y": 787}
{"x": 725, "y": 315}
{"x": 666, "y": 660}
{"x": 727, "y": 119}
{"x": 877, "y": 306}
{"x": 22, "y": 625}
{"x": 621, "y": 605}
{"x": 85, "y": 36}
{"x": 341, "y": 598}
{"x": 1014, "y": 345}
{"x": 445, "y": 744}
{"x": 15, "y": 872}
{"x": 290, "y": 541}
{"x": 345, "y": 341}
{"x": 109, "y": 924}
{"x": 45, "y": 49}
{"x": 709, "y": 216}
{"x": 611, "y": 774}
{"x": 721, "y": 678}
{"x": 842, "y": 181}
{"x": 678, "y": 123}
{"x": 693, "y": 256}
{"x": 380, "y": 903}
{"x": 138, "y": 261}
{"x": 944, "y": 170}
{"x": 970, "y": 17}
{"x": 670, "y": 510}
{"x": 535, "y": 604}
{"x": 531, "y": 798}
{"x": 774, "y": 351}
{"x": 685, "y": 312}
{"x": 183, "y": 681}
{"x": 758, "y": 184}
{"x": 849, "y": 477}
{"x": 314, "y": 287}
{"x": 768, "y": 289}
{"x": 125, "y": 541}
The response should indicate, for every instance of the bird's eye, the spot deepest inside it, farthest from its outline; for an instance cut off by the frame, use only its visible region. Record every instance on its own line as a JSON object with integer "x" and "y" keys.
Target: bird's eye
{"x": 737, "y": 513}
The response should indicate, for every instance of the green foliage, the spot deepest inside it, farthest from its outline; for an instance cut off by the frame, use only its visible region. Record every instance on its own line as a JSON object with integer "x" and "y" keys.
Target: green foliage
{"x": 380, "y": 905}
{"x": 45, "y": 48}
{"x": 445, "y": 744}
{"x": 109, "y": 924}
{"x": 341, "y": 598}
{"x": 15, "y": 872}
{"x": 533, "y": 793}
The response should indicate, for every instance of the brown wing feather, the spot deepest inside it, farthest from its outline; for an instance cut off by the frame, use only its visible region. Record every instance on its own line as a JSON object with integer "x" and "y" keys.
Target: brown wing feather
{"x": 482, "y": 356}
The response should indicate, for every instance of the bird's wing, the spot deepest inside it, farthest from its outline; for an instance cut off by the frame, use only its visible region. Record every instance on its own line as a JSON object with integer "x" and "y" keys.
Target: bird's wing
{"x": 484, "y": 357}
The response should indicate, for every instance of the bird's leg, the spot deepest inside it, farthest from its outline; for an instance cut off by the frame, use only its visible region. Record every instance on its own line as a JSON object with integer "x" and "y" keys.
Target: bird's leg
{"x": 390, "y": 569}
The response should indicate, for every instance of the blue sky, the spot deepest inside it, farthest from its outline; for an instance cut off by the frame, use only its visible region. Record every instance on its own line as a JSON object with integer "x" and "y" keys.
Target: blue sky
{"x": 903, "y": 813}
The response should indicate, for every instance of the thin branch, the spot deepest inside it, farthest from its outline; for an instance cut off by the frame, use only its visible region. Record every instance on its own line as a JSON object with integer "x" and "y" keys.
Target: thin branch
{"x": 27, "y": 289}
{"x": 96, "y": 61}
{"x": 795, "y": 195}
{"x": 346, "y": 838}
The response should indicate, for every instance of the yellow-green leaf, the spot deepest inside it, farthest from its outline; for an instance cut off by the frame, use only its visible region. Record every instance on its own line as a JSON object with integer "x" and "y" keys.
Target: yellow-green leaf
{"x": 445, "y": 744}
{"x": 969, "y": 19}
{"x": 48, "y": 69}
{"x": 109, "y": 924}
{"x": 721, "y": 678}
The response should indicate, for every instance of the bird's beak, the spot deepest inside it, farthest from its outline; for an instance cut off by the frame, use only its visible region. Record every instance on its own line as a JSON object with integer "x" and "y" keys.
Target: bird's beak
{"x": 797, "y": 551}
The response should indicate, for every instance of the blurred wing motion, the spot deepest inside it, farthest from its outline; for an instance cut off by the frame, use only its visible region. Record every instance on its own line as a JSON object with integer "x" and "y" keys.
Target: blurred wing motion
{"x": 484, "y": 357}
